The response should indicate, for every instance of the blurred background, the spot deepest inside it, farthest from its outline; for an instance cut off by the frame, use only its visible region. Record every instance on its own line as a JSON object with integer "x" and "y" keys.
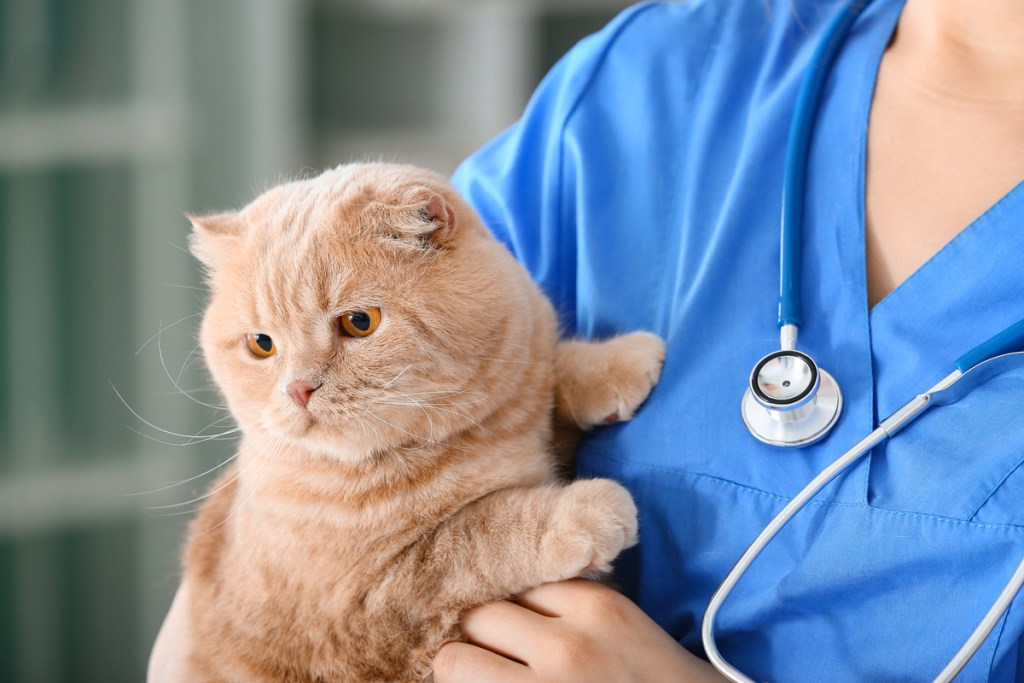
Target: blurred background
{"x": 116, "y": 117}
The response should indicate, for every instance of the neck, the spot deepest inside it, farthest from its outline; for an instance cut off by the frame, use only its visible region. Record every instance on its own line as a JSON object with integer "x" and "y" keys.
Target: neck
{"x": 271, "y": 468}
{"x": 963, "y": 48}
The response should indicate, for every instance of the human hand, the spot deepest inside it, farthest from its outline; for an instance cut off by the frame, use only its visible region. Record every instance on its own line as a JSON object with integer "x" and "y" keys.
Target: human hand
{"x": 570, "y": 632}
{"x": 169, "y": 662}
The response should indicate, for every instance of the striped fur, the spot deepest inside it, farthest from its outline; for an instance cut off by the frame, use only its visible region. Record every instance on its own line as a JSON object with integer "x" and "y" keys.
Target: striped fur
{"x": 348, "y": 537}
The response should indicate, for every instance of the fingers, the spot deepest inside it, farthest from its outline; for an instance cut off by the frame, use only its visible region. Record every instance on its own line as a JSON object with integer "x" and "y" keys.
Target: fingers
{"x": 501, "y": 635}
{"x": 509, "y": 641}
{"x": 565, "y": 597}
{"x": 505, "y": 628}
{"x": 465, "y": 663}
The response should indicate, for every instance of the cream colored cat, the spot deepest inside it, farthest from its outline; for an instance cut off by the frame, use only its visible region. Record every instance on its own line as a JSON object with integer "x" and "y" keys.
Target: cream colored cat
{"x": 393, "y": 370}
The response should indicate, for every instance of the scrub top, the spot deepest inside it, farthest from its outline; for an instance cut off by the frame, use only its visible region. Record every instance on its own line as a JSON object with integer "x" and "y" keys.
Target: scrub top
{"x": 642, "y": 190}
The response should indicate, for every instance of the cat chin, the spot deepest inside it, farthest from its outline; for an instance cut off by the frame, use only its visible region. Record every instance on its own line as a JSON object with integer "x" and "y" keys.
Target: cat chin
{"x": 344, "y": 441}
{"x": 342, "y": 454}
{"x": 329, "y": 447}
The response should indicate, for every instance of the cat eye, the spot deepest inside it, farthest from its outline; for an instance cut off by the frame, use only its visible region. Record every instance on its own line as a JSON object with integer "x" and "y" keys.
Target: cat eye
{"x": 360, "y": 323}
{"x": 261, "y": 345}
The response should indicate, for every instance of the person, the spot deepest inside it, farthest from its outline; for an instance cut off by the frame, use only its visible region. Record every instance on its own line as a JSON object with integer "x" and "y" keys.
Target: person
{"x": 642, "y": 190}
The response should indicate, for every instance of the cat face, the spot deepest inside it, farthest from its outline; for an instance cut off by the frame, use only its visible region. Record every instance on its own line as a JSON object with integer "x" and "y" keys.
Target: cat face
{"x": 363, "y": 311}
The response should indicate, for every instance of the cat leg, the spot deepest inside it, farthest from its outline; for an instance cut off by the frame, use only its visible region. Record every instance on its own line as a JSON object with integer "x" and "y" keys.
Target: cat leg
{"x": 606, "y": 381}
{"x": 600, "y": 382}
{"x": 514, "y": 539}
{"x": 496, "y": 547}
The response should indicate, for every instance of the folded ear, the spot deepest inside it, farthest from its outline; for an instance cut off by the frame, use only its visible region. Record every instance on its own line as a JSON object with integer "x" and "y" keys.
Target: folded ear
{"x": 439, "y": 219}
{"x": 215, "y": 236}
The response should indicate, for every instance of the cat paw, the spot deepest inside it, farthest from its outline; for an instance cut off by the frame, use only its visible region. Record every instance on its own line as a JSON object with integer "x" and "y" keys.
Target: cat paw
{"x": 594, "y": 520}
{"x": 606, "y": 382}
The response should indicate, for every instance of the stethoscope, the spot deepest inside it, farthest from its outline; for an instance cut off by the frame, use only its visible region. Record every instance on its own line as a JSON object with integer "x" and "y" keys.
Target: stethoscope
{"x": 793, "y": 402}
{"x": 790, "y": 400}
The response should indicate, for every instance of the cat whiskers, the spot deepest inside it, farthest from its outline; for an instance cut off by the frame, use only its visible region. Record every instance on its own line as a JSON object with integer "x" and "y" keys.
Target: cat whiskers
{"x": 382, "y": 446}
{"x": 393, "y": 379}
{"x": 175, "y": 284}
{"x": 162, "y": 328}
{"x": 508, "y": 360}
{"x": 175, "y": 380}
{"x": 425, "y": 404}
{"x": 428, "y": 401}
{"x": 211, "y": 389}
{"x": 227, "y": 482}
{"x": 446, "y": 393}
{"x": 274, "y": 453}
{"x": 427, "y": 440}
{"x": 183, "y": 481}
{"x": 192, "y": 439}
{"x": 427, "y": 407}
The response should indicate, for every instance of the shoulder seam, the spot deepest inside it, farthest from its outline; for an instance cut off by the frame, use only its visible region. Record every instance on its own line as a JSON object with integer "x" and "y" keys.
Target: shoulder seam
{"x": 713, "y": 46}
{"x": 635, "y": 12}
{"x": 564, "y": 277}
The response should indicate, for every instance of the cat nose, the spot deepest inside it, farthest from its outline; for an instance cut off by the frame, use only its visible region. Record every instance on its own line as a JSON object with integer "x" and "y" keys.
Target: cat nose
{"x": 301, "y": 392}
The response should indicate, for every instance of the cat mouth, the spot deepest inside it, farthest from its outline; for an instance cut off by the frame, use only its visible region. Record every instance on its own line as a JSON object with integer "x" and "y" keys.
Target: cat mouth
{"x": 311, "y": 424}
{"x": 298, "y": 424}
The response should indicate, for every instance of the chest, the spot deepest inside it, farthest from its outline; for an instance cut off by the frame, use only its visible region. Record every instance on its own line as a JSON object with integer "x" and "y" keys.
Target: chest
{"x": 863, "y": 568}
{"x": 936, "y": 160}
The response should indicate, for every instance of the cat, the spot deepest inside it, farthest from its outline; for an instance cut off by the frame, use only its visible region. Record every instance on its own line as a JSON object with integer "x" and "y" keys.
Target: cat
{"x": 394, "y": 372}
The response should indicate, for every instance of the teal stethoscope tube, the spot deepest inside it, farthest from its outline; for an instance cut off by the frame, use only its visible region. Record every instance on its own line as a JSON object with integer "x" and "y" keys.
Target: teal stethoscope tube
{"x": 794, "y": 179}
{"x": 791, "y": 402}
{"x": 1010, "y": 339}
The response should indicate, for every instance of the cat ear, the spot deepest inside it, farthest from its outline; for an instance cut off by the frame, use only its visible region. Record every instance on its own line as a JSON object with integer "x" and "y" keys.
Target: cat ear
{"x": 215, "y": 236}
{"x": 438, "y": 219}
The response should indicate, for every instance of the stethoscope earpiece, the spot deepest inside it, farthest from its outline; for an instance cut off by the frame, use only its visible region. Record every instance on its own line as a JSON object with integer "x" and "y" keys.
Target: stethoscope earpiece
{"x": 790, "y": 400}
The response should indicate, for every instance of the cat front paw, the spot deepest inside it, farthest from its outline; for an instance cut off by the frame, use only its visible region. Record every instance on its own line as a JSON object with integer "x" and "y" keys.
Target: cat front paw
{"x": 594, "y": 520}
{"x": 605, "y": 382}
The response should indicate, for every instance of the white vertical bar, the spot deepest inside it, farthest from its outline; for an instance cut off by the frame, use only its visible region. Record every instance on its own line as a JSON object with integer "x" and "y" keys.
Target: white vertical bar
{"x": 275, "y": 87}
{"x": 487, "y": 66}
{"x": 31, "y": 276}
{"x": 159, "y": 52}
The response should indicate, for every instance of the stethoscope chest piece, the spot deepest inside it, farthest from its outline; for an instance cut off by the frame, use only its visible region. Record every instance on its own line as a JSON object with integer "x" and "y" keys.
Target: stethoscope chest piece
{"x": 790, "y": 400}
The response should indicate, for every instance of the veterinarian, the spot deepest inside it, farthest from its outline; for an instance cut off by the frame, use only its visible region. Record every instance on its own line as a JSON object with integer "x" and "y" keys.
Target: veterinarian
{"x": 643, "y": 188}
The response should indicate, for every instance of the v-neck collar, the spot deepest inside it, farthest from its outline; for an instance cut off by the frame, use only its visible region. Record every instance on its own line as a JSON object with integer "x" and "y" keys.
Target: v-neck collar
{"x": 837, "y": 328}
{"x": 947, "y": 304}
{"x": 970, "y": 289}
{"x": 1004, "y": 207}
{"x": 993, "y": 213}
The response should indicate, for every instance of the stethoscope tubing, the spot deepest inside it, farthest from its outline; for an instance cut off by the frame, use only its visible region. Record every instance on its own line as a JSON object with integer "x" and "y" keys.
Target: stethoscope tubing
{"x": 772, "y": 424}
{"x": 988, "y": 622}
{"x": 762, "y": 540}
{"x": 886, "y": 429}
{"x": 795, "y": 171}
{"x": 949, "y": 390}
{"x": 790, "y": 319}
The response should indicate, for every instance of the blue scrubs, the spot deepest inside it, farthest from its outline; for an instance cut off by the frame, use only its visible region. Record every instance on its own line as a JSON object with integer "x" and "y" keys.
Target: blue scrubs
{"x": 642, "y": 190}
